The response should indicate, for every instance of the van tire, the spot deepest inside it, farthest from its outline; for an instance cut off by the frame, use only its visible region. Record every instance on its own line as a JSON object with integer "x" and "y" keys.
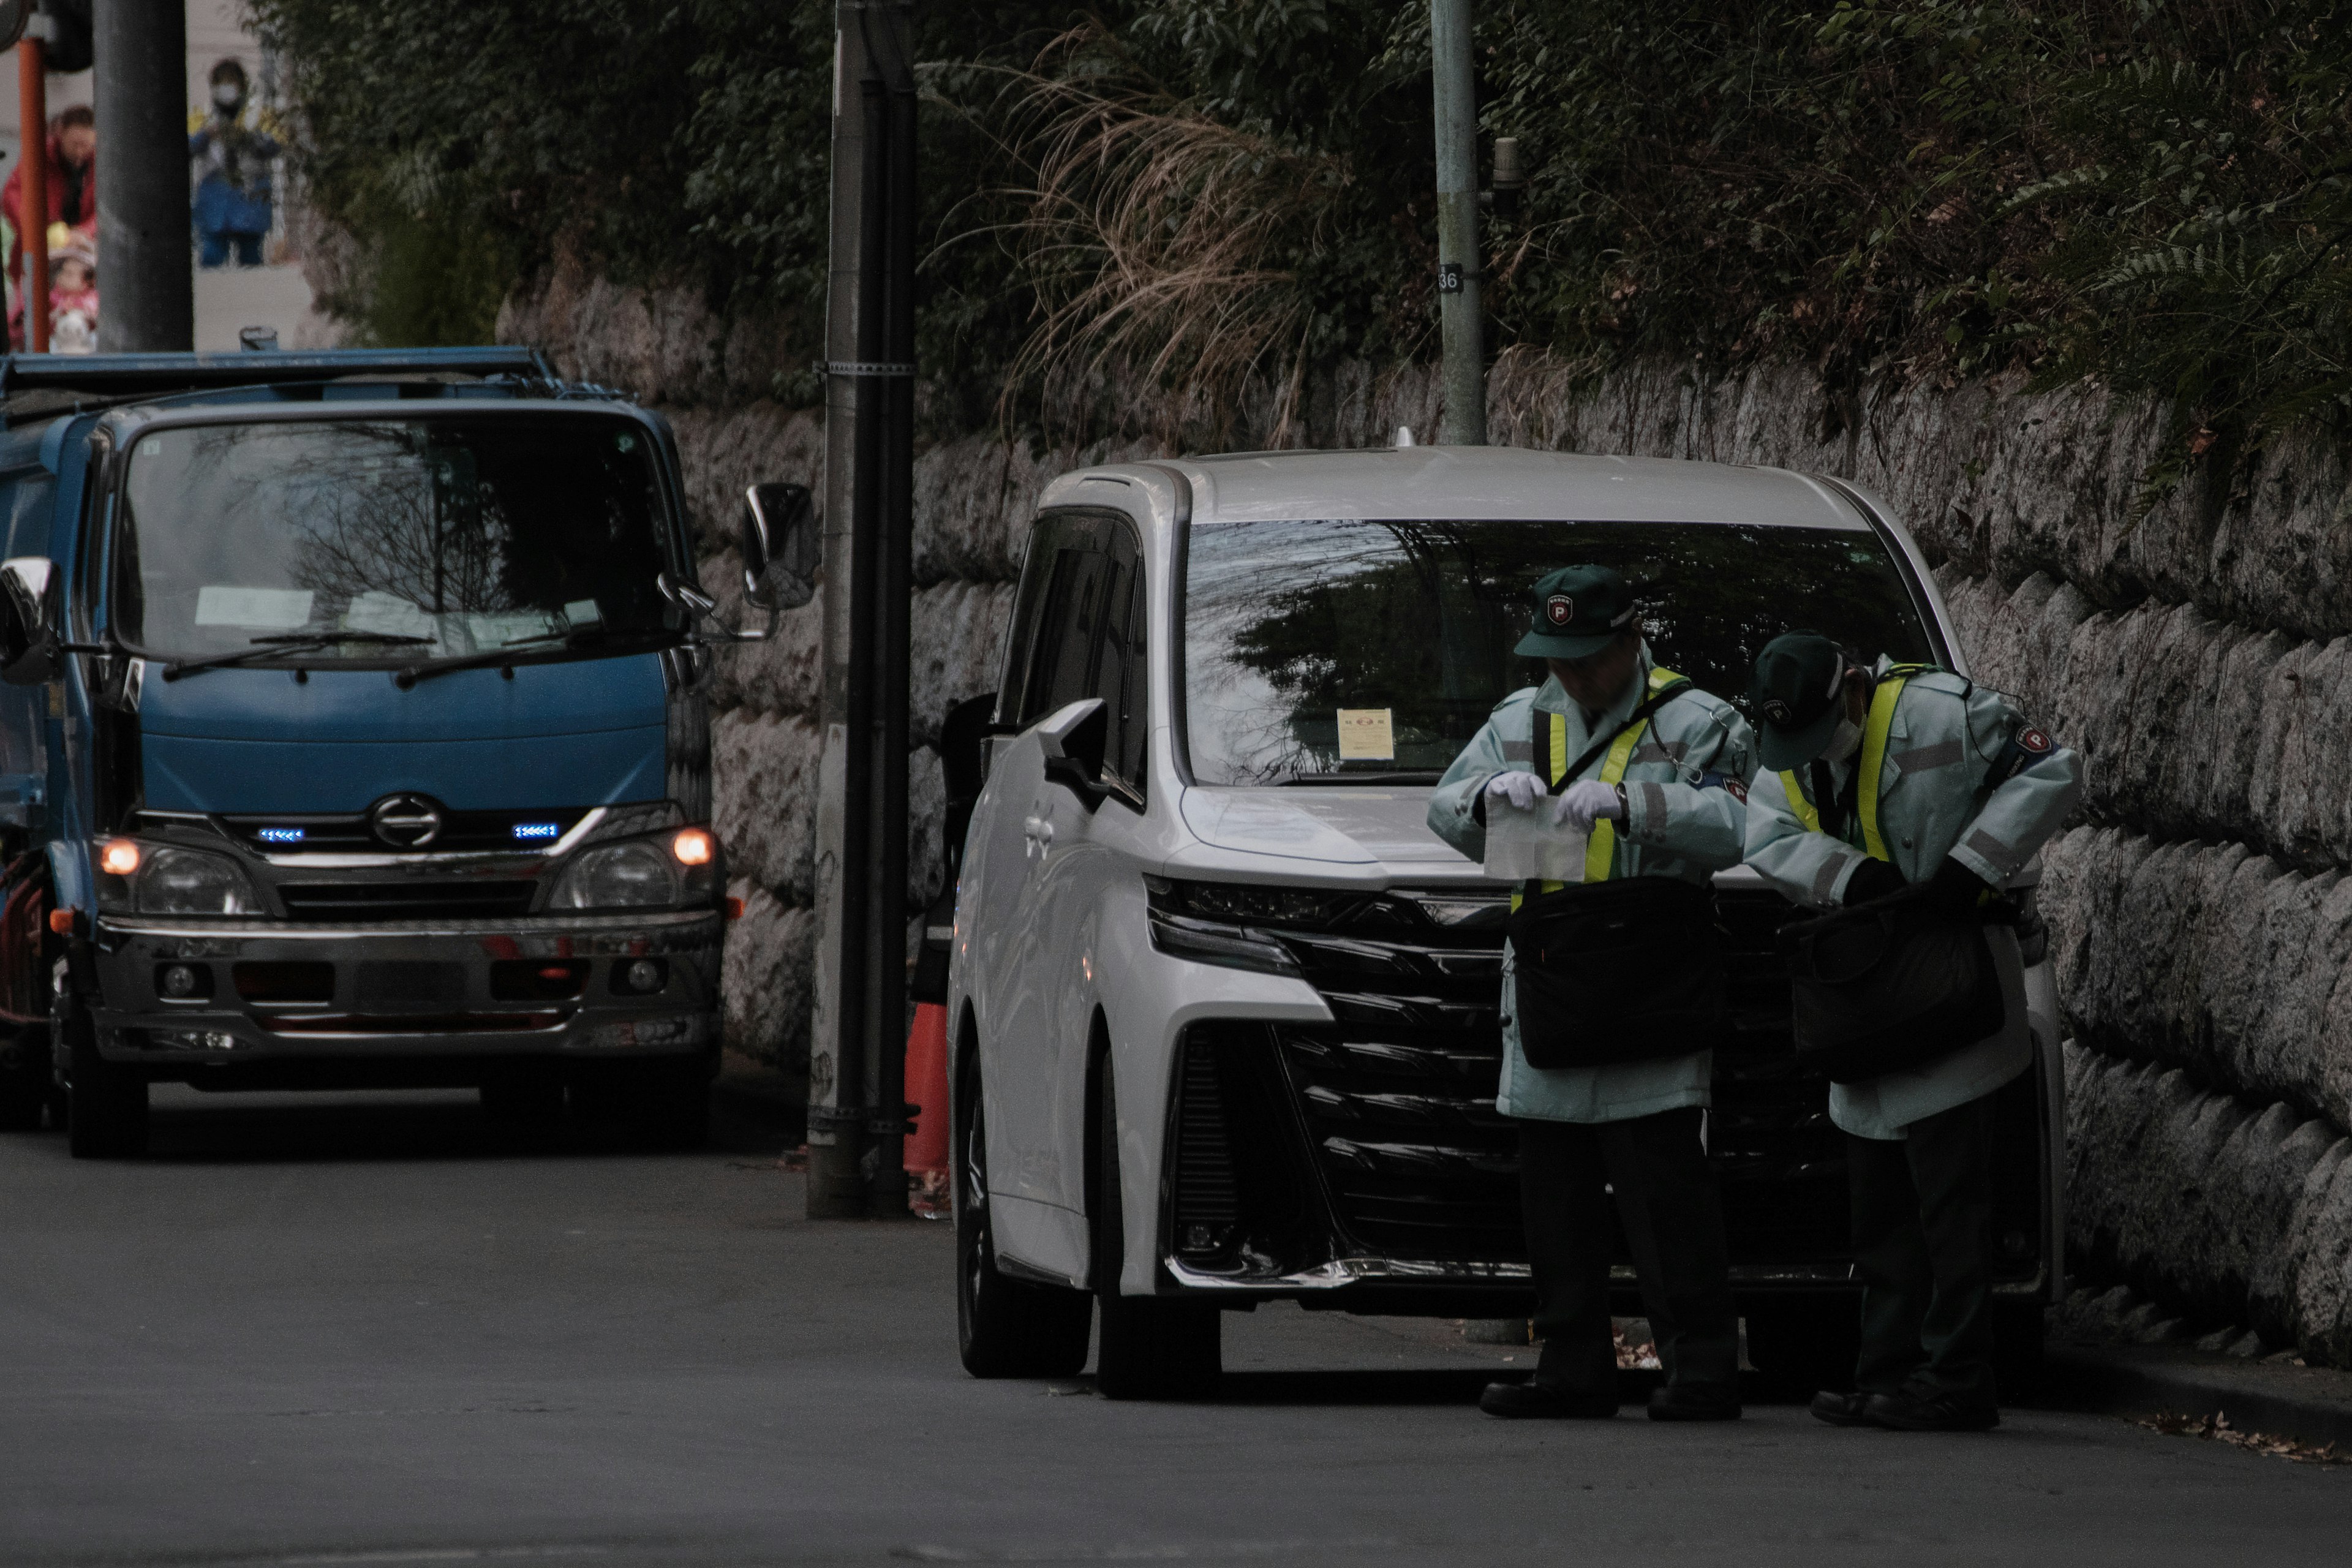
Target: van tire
{"x": 106, "y": 1106}
{"x": 1004, "y": 1327}
{"x": 1150, "y": 1347}
{"x": 26, "y": 1083}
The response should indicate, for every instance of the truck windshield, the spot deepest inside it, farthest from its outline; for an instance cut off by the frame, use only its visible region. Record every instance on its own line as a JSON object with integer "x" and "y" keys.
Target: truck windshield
{"x": 390, "y": 540}
{"x": 1323, "y": 650}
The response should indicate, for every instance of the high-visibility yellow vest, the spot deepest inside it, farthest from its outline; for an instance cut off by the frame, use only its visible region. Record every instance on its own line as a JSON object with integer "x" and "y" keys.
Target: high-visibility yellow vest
{"x": 1870, "y": 762}
{"x": 1601, "y": 850}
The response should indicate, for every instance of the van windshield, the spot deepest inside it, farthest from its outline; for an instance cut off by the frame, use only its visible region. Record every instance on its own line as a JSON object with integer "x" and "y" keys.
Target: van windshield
{"x": 390, "y": 540}
{"x": 1318, "y": 651}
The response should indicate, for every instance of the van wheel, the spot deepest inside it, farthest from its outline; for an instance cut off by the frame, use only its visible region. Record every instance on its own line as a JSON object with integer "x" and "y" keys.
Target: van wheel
{"x": 106, "y": 1107}
{"x": 1804, "y": 1344}
{"x": 1150, "y": 1347}
{"x": 1005, "y": 1328}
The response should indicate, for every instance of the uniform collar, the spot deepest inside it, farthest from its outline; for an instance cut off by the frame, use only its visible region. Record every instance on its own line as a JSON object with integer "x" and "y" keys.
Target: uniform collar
{"x": 1553, "y": 698}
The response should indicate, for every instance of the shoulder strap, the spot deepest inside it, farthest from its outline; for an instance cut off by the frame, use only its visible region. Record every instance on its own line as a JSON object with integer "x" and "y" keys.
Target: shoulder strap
{"x": 1804, "y": 810}
{"x": 1872, "y": 761}
{"x": 1664, "y": 684}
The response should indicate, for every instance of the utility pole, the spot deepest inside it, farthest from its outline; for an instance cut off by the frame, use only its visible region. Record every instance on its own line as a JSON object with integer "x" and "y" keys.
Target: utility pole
{"x": 856, "y": 1067}
{"x": 142, "y": 201}
{"x": 1454, "y": 85}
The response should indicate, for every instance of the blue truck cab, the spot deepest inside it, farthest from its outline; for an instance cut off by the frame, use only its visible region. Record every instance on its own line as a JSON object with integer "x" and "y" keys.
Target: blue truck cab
{"x": 354, "y": 735}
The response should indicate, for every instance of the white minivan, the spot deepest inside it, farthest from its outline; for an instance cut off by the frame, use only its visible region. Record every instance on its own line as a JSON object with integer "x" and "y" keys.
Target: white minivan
{"x": 1224, "y": 1011}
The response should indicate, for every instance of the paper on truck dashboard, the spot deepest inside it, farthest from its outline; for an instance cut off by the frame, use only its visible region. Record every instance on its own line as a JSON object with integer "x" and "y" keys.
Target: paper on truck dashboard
{"x": 1525, "y": 845}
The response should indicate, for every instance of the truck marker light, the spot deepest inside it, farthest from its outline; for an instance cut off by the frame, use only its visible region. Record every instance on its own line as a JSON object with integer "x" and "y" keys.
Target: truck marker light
{"x": 734, "y": 907}
{"x": 61, "y": 922}
{"x": 693, "y": 846}
{"x": 119, "y": 858}
{"x": 530, "y": 832}
{"x": 280, "y": 835}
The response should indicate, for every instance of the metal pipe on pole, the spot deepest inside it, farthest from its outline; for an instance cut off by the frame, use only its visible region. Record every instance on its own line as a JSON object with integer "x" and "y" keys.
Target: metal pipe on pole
{"x": 894, "y": 582}
{"x": 142, "y": 47}
{"x": 1461, "y": 325}
{"x": 32, "y": 218}
{"x": 837, "y": 1186}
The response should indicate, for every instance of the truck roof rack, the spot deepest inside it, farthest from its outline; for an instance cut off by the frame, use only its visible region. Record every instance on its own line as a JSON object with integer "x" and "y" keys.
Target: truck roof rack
{"x": 116, "y": 376}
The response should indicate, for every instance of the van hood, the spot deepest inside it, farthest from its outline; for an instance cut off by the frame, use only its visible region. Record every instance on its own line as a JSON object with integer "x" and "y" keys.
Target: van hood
{"x": 1351, "y": 826}
{"x": 575, "y": 733}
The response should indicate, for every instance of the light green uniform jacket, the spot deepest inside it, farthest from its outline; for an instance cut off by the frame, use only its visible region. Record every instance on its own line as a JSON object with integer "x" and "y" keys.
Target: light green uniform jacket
{"x": 1677, "y": 826}
{"x": 1936, "y": 798}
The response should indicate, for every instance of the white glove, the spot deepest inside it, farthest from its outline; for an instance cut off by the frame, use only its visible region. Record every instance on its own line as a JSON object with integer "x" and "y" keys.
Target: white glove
{"x": 1521, "y": 787}
{"x": 1580, "y": 803}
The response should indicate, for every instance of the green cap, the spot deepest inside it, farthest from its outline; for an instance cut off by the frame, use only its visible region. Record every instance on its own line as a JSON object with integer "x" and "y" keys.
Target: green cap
{"x": 1797, "y": 692}
{"x": 1578, "y": 609}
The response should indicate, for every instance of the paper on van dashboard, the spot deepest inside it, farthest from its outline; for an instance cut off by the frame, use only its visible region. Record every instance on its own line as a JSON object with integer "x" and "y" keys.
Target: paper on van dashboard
{"x": 1527, "y": 844}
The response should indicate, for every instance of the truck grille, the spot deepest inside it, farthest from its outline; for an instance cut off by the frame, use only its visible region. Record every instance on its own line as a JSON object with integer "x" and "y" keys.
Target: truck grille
{"x": 333, "y": 902}
{"x": 462, "y": 832}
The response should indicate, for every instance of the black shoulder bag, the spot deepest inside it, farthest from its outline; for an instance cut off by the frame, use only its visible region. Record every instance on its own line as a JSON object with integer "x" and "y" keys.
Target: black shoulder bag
{"x": 1623, "y": 970}
{"x": 1891, "y": 984}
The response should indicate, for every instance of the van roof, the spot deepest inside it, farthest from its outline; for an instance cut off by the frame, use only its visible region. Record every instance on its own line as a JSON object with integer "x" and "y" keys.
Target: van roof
{"x": 1469, "y": 483}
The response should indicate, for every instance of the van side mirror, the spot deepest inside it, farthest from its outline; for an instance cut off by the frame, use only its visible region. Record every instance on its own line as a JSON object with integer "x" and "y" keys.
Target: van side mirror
{"x": 1075, "y": 739}
{"x": 780, "y": 547}
{"x": 32, "y": 612}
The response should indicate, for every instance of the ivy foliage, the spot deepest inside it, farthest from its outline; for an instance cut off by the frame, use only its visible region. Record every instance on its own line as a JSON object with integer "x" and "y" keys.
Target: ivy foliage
{"x": 2154, "y": 193}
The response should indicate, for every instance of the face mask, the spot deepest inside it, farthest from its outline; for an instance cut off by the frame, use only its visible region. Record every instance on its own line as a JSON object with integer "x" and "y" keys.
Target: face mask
{"x": 227, "y": 96}
{"x": 1843, "y": 744}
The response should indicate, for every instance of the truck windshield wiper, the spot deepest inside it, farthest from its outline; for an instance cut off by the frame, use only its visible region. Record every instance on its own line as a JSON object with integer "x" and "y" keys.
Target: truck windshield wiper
{"x": 293, "y": 642}
{"x": 578, "y": 636}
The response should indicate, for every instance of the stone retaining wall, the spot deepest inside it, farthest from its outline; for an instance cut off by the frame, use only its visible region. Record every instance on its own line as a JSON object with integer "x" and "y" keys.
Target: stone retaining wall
{"x": 2196, "y": 654}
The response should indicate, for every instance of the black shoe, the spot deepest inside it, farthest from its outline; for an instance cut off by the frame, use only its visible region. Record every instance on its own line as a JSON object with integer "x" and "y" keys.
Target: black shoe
{"x": 1842, "y": 1409}
{"x": 1536, "y": 1400}
{"x": 1696, "y": 1401}
{"x": 1910, "y": 1412}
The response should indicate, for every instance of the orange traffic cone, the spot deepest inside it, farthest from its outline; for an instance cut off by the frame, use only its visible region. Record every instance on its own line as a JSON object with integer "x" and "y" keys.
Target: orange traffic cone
{"x": 927, "y": 1086}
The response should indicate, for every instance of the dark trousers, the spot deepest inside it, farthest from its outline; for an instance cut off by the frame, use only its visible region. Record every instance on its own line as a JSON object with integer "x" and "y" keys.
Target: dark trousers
{"x": 1674, "y": 1221}
{"x": 1923, "y": 1249}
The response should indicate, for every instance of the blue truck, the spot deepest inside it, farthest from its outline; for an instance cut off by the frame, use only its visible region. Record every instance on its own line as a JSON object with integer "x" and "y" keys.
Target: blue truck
{"x": 353, "y": 734}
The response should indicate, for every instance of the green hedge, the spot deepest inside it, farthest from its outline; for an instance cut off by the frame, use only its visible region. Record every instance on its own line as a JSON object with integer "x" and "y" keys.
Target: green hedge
{"x": 2151, "y": 194}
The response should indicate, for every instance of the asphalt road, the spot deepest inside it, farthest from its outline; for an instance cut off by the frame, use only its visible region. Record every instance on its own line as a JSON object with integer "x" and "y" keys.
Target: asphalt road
{"x": 362, "y": 1330}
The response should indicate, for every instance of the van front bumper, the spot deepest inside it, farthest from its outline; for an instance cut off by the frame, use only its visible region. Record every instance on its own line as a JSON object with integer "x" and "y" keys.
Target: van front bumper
{"x": 380, "y": 993}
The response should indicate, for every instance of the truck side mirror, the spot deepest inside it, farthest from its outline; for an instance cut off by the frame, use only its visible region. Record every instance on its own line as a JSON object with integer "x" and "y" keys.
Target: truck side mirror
{"x": 780, "y": 547}
{"x": 32, "y": 610}
{"x": 1075, "y": 739}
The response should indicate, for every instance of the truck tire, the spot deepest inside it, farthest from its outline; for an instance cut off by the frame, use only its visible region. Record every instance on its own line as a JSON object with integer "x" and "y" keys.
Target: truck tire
{"x": 106, "y": 1104}
{"x": 1005, "y": 1328}
{"x": 656, "y": 1104}
{"x": 25, "y": 1080}
{"x": 1801, "y": 1344}
{"x": 1150, "y": 1347}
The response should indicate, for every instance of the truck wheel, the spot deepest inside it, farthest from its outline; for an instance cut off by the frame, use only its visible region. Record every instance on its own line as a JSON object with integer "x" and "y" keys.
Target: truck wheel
{"x": 1005, "y": 1328}
{"x": 1150, "y": 1347}
{"x": 106, "y": 1113}
{"x": 1801, "y": 1344}
{"x": 24, "y": 1081}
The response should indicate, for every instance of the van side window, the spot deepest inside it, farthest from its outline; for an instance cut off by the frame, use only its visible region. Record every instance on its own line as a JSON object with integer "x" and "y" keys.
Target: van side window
{"x": 1068, "y": 631}
{"x": 1079, "y": 631}
{"x": 1120, "y": 678}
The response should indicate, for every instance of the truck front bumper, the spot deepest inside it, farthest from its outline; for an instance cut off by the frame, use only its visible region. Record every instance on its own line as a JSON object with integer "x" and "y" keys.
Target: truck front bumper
{"x": 452, "y": 991}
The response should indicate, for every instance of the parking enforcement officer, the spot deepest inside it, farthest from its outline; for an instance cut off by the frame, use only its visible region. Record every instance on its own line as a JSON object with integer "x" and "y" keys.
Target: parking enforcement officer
{"x": 1874, "y": 777}
{"x": 1662, "y": 799}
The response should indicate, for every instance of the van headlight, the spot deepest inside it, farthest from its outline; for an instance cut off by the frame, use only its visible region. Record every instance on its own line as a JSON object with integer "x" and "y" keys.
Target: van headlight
{"x": 172, "y": 881}
{"x": 640, "y": 873}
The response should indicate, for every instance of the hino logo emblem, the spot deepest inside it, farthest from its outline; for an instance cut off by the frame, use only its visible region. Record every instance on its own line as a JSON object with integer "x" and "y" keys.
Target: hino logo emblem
{"x": 405, "y": 821}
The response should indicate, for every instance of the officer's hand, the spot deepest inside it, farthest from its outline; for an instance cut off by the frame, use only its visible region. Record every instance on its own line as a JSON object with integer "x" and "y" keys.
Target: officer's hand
{"x": 1955, "y": 889}
{"x": 1871, "y": 879}
{"x": 1521, "y": 788}
{"x": 1581, "y": 802}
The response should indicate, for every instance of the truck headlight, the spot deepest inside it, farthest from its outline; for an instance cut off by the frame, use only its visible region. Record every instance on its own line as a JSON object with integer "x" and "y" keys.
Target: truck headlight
{"x": 189, "y": 882}
{"x": 617, "y": 877}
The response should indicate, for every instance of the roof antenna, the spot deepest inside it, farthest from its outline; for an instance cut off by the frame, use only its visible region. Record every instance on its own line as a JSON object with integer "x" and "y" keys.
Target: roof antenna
{"x": 1404, "y": 436}
{"x": 258, "y": 340}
